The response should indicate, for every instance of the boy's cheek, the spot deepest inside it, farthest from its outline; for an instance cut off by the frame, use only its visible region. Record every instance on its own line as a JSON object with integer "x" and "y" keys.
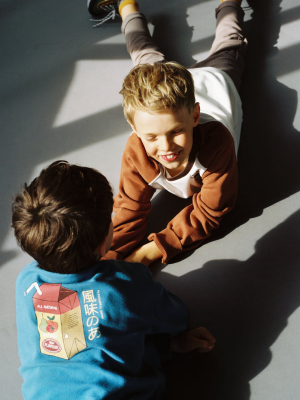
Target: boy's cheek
{"x": 150, "y": 149}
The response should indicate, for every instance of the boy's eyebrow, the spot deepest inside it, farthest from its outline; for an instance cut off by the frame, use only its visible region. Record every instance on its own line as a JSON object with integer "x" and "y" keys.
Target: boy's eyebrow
{"x": 150, "y": 134}
{"x": 178, "y": 126}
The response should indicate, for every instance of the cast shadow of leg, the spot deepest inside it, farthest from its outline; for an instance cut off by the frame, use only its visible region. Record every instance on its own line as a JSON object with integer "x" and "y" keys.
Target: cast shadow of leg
{"x": 269, "y": 162}
{"x": 246, "y": 306}
{"x": 173, "y": 34}
{"x": 268, "y": 159}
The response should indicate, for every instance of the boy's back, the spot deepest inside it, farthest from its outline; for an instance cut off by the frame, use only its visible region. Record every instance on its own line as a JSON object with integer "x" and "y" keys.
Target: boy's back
{"x": 92, "y": 335}
{"x": 86, "y": 329}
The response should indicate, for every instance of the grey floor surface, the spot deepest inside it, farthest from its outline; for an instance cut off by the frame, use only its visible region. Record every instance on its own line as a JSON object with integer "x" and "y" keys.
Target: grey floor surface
{"x": 59, "y": 100}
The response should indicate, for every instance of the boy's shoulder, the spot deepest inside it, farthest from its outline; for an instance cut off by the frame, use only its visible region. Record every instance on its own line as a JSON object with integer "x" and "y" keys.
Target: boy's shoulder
{"x": 114, "y": 278}
{"x": 215, "y": 133}
{"x": 213, "y": 137}
{"x": 103, "y": 269}
{"x": 121, "y": 269}
{"x": 135, "y": 149}
{"x": 128, "y": 283}
{"x": 214, "y": 144}
{"x": 28, "y": 272}
{"x": 135, "y": 156}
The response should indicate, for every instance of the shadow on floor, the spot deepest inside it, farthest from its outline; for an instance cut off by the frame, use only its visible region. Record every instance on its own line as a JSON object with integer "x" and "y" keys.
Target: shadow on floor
{"x": 269, "y": 162}
{"x": 245, "y": 305}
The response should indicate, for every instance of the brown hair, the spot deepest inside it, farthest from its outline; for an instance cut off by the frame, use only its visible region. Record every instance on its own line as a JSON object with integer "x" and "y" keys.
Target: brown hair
{"x": 62, "y": 216}
{"x": 157, "y": 87}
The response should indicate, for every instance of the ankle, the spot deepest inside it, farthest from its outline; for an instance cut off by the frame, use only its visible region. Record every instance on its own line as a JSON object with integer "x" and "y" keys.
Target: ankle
{"x": 127, "y": 7}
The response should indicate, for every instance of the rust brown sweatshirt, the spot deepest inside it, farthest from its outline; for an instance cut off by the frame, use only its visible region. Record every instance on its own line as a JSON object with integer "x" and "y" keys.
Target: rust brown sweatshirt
{"x": 213, "y": 146}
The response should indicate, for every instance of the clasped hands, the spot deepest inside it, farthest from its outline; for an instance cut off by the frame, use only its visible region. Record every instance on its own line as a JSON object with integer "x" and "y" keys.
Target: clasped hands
{"x": 146, "y": 254}
{"x": 198, "y": 339}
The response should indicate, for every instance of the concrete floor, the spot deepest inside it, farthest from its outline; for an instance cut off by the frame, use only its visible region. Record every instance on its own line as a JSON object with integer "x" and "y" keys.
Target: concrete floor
{"x": 59, "y": 100}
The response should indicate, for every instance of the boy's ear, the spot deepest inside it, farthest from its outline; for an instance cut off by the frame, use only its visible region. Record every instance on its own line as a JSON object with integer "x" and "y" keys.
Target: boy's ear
{"x": 100, "y": 250}
{"x": 104, "y": 246}
{"x": 132, "y": 127}
{"x": 196, "y": 114}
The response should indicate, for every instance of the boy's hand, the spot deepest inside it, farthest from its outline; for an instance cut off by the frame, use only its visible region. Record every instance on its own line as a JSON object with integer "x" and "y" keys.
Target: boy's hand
{"x": 196, "y": 339}
{"x": 145, "y": 254}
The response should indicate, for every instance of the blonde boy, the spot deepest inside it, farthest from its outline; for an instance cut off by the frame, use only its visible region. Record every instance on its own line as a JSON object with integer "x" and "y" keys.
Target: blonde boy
{"x": 186, "y": 127}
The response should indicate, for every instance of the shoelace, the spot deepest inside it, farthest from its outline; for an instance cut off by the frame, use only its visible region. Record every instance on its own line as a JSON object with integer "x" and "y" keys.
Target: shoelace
{"x": 111, "y": 15}
{"x": 246, "y": 8}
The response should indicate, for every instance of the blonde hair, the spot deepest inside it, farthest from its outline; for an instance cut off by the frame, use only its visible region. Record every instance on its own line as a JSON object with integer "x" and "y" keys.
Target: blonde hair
{"x": 157, "y": 87}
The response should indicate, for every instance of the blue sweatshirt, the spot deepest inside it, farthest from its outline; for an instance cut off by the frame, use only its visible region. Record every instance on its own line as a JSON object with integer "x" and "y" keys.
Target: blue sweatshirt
{"x": 94, "y": 335}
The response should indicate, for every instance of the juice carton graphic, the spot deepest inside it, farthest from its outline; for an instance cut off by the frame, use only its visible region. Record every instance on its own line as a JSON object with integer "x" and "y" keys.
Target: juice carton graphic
{"x": 59, "y": 320}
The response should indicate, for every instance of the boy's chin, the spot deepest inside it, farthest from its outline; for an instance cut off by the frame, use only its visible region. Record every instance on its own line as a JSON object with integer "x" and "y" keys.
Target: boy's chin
{"x": 174, "y": 169}
{"x": 173, "y": 165}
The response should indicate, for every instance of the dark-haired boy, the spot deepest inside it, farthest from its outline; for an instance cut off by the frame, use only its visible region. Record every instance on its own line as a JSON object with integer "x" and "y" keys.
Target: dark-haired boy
{"x": 186, "y": 126}
{"x": 87, "y": 329}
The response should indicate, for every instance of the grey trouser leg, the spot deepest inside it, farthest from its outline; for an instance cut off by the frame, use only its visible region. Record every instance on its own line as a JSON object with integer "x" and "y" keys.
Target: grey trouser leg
{"x": 228, "y": 49}
{"x": 140, "y": 44}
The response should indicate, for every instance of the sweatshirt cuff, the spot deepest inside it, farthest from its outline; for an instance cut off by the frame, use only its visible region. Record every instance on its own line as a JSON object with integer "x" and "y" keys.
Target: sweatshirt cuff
{"x": 167, "y": 242}
{"x": 112, "y": 255}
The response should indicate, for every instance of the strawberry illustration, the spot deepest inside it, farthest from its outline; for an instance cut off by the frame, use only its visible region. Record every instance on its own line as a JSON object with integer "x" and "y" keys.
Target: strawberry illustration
{"x": 52, "y": 325}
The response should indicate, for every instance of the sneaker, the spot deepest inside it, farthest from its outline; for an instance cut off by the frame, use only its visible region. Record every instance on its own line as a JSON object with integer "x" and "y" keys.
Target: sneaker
{"x": 104, "y": 9}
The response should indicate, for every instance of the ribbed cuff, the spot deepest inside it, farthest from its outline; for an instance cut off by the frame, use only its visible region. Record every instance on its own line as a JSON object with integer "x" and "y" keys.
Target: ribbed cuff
{"x": 229, "y": 4}
{"x": 126, "y": 2}
{"x": 167, "y": 242}
{"x": 112, "y": 255}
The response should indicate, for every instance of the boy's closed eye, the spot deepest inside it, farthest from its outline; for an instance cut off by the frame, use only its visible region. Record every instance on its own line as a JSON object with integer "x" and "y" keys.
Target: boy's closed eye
{"x": 177, "y": 132}
{"x": 151, "y": 138}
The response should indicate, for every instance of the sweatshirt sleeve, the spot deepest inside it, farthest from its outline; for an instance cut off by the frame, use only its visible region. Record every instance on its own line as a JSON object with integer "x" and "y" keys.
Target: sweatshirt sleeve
{"x": 133, "y": 202}
{"x": 160, "y": 311}
{"x": 172, "y": 313}
{"x": 218, "y": 193}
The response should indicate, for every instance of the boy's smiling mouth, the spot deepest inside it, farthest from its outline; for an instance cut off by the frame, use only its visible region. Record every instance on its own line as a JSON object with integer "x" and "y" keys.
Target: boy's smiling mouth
{"x": 170, "y": 157}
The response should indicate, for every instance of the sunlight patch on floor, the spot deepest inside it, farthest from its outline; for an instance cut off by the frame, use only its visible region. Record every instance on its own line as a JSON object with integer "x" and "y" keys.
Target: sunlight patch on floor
{"x": 117, "y": 39}
{"x": 94, "y": 88}
{"x": 279, "y": 376}
{"x": 289, "y": 35}
{"x": 203, "y": 27}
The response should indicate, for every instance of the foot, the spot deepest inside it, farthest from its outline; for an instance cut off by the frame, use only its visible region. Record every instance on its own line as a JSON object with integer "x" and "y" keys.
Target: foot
{"x": 108, "y": 9}
{"x": 102, "y": 7}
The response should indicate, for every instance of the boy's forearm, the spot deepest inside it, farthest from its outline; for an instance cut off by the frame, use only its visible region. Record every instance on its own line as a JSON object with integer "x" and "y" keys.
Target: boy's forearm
{"x": 129, "y": 228}
{"x": 146, "y": 254}
{"x": 133, "y": 202}
{"x": 195, "y": 223}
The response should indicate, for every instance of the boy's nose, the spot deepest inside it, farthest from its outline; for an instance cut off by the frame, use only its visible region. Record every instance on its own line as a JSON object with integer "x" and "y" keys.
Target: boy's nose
{"x": 166, "y": 144}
